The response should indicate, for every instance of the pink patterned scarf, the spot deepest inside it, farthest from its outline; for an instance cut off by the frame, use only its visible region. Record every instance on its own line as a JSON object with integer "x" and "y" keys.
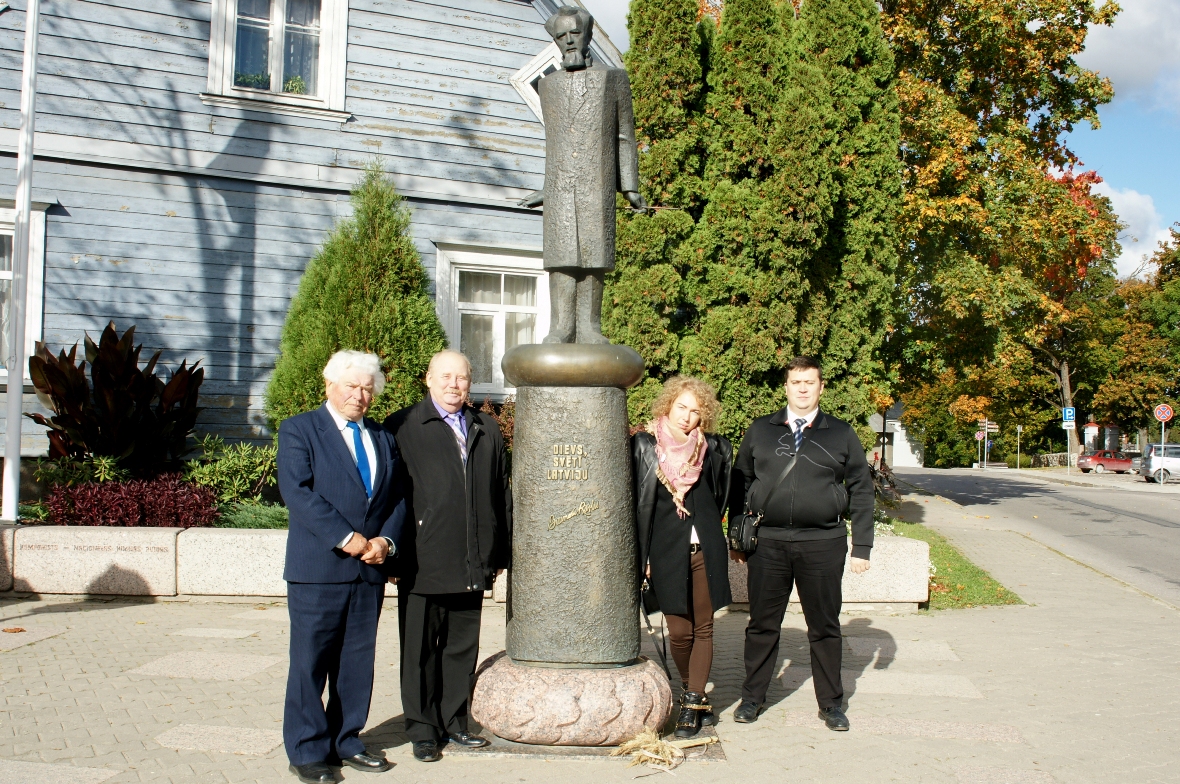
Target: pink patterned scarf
{"x": 679, "y": 465}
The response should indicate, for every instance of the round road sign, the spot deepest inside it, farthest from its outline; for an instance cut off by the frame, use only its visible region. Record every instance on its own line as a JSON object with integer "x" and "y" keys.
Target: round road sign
{"x": 1163, "y": 412}
{"x": 978, "y": 435}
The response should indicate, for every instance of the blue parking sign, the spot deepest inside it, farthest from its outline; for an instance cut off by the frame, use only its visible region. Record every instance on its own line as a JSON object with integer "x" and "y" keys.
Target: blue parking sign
{"x": 1069, "y": 414}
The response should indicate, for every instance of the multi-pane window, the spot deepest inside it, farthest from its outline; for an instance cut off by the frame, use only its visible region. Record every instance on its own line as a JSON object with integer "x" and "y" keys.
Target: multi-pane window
{"x": 277, "y": 47}
{"x": 279, "y": 56}
{"x": 35, "y": 282}
{"x": 497, "y": 311}
{"x": 5, "y": 292}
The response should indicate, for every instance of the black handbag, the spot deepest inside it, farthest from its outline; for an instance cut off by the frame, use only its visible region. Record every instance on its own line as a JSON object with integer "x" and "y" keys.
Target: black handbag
{"x": 743, "y": 533}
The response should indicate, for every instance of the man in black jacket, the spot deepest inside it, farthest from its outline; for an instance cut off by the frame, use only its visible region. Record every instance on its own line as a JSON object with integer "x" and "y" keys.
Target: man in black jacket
{"x": 456, "y": 540}
{"x": 801, "y": 539}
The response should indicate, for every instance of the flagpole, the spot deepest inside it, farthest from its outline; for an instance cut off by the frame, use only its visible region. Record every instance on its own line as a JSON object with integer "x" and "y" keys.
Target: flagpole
{"x": 15, "y": 361}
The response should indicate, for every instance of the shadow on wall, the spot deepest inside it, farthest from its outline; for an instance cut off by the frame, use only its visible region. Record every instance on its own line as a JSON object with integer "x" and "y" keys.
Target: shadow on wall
{"x": 117, "y": 580}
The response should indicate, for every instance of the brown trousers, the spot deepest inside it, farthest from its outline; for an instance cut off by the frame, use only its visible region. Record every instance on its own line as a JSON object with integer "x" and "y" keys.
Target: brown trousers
{"x": 691, "y": 635}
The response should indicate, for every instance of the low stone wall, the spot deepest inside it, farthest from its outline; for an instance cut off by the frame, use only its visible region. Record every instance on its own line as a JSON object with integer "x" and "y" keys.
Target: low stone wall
{"x": 7, "y": 533}
{"x": 95, "y": 560}
{"x": 144, "y": 561}
{"x": 900, "y": 574}
{"x": 231, "y": 562}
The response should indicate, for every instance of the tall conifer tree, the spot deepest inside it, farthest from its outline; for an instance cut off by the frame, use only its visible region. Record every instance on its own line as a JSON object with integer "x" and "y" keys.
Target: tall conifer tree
{"x": 787, "y": 244}
{"x": 852, "y": 276}
{"x": 365, "y": 290}
{"x": 643, "y": 306}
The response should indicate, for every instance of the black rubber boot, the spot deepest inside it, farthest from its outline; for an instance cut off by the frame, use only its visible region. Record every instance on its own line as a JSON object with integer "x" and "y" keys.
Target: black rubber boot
{"x": 691, "y": 707}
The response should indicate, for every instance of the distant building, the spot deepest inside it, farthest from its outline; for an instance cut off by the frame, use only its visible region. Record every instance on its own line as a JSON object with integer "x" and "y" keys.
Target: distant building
{"x": 191, "y": 156}
{"x": 900, "y": 449}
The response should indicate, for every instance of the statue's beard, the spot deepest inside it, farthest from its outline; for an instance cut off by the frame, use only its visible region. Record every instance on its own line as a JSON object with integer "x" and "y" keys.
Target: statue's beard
{"x": 574, "y": 60}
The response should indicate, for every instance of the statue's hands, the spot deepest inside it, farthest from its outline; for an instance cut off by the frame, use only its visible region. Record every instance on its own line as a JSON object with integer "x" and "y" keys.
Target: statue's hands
{"x": 534, "y": 199}
{"x": 635, "y": 200}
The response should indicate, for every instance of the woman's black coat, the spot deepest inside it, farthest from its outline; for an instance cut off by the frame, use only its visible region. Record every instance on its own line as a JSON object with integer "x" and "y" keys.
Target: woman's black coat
{"x": 667, "y": 548}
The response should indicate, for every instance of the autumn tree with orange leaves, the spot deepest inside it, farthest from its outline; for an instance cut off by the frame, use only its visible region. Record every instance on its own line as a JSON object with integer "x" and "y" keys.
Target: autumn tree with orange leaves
{"x": 1007, "y": 251}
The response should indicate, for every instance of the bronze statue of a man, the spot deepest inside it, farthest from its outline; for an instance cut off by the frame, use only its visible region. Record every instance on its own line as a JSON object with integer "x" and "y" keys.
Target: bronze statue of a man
{"x": 589, "y": 155}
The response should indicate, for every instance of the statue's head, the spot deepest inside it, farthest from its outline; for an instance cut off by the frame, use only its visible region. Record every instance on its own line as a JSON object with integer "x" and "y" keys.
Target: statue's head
{"x": 571, "y": 28}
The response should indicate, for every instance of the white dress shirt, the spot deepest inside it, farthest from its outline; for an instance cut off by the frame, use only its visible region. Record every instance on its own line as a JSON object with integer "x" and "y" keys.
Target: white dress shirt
{"x": 350, "y": 442}
{"x": 807, "y": 420}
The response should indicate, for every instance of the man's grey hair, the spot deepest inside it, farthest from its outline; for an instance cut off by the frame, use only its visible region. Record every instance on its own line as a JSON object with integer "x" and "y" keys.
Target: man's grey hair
{"x": 448, "y": 352}
{"x": 368, "y": 364}
{"x": 585, "y": 20}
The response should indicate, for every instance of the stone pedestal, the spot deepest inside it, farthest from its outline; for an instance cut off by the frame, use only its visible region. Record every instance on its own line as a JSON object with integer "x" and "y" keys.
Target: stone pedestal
{"x": 567, "y": 707}
{"x": 572, "y": 674}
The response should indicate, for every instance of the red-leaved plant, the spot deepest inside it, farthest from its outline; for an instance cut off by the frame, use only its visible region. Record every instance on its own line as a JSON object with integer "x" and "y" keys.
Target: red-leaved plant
{"x": 164, "y": 502}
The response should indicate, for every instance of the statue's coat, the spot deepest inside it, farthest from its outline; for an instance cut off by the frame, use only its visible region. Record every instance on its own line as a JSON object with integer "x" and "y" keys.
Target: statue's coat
{"x": 589, "y": 156}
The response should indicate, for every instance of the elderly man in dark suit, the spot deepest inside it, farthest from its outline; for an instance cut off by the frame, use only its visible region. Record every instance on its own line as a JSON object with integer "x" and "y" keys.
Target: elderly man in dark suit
{"x": 459, "y": 513}
{"x": 338, "y": 476}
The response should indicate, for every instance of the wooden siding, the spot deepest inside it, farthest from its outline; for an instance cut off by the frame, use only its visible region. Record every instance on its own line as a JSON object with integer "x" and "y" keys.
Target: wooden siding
{"x": 427, "y": 85}
{"x": 205, "y": 268}
{"x": 203, "y": 251}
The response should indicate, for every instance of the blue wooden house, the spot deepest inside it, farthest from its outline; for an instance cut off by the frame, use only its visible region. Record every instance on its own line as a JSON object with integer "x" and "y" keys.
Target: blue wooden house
{"x": 192, "y": 154}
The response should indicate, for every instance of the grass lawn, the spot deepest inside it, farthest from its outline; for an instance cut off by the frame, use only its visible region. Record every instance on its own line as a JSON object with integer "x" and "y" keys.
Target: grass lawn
{"x": 956, "y": 582}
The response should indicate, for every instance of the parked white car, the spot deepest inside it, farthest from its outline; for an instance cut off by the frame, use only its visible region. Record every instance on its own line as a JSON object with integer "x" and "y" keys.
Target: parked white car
{"x": 1155, "y": 467}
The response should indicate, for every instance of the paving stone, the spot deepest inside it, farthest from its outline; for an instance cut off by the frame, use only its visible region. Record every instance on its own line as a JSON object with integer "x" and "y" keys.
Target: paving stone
{"x": 205, "y": 665}
{"x": 31, "y": 634}
{"x": 887, "y": 682}
{"x": 206, "y": 631}
{"x": 229, "y": 740}
{"x": 275, "y": 614}
{"x": 17, "y": 772}
{"x": 1003, "y": 776}
{"x": 918, "y": 728}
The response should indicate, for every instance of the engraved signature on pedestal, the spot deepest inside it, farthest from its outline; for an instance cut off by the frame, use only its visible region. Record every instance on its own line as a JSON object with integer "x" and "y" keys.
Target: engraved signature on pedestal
{"x": 584, "y": 508}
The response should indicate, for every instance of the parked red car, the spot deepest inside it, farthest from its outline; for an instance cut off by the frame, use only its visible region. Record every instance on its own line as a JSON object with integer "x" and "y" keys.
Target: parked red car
{"x": 1105, "y": 460}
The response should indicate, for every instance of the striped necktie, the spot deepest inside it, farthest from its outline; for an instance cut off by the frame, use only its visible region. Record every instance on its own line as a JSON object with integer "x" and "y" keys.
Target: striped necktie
{"x": 454, "y": 420}
{"x": 799, "y": 423}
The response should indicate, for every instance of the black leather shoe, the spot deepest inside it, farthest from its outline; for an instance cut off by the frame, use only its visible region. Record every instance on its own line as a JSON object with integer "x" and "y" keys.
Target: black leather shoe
{"x": 314, "y": 773}
{"x": 426, "y": 751}
{"x": 367, "y": 762}
{"x": 834, "y": 718}
{"x": 747, "y": 712}
{"x": 468, "y": 740}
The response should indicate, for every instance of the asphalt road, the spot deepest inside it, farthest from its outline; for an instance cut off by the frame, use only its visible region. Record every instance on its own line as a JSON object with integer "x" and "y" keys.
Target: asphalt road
{"x": 1132, "y": 536}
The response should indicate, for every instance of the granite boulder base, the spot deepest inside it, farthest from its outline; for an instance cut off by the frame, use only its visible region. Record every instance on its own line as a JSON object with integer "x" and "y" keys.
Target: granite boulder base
{"x": 569, "y": 707}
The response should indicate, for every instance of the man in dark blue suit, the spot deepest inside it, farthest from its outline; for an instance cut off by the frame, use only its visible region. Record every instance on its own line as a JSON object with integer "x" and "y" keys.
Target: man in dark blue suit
{"x": 336, "y": 474}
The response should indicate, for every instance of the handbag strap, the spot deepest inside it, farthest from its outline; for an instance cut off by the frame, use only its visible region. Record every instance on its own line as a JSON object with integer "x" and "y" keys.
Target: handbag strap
{"x": 782, "y": 478}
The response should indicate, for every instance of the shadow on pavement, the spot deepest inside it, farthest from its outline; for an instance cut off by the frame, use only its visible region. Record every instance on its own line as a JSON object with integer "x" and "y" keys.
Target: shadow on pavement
{"x": 389, "y": 734}
{"x": 865, "y": 645}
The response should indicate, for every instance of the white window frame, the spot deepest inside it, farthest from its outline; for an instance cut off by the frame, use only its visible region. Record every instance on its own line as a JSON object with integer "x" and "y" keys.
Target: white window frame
{"x": 450, "y": 260}
{"x": 35, "y": 293}
{"x": 522, "y": 79}
{"x": 329, "y": 105}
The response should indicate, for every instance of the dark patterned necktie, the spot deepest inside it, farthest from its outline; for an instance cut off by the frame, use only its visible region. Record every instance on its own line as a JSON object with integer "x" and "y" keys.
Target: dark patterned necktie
{"x": 799, "y": 433}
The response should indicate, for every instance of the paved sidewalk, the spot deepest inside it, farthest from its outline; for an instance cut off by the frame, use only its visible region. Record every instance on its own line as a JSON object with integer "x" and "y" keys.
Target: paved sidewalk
{"x": 1079, "y": 686}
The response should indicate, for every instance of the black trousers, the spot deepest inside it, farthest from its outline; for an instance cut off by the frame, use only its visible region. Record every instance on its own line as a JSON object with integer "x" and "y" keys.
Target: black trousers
{"x": 816, "y": 567}
{"x": 333, "y": 639}
{"x": 439, "y": 650}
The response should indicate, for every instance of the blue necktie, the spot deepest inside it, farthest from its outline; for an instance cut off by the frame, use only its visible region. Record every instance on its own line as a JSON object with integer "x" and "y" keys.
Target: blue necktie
{"x": 362, "y": 458}
{"x": 799, "y": 423}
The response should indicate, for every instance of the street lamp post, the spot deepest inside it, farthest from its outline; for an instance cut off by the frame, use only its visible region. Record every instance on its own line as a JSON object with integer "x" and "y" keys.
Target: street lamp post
{"x": 15, "y": 361}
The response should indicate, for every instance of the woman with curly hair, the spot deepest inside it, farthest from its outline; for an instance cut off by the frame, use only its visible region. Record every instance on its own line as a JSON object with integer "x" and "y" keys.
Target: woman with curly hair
{"x": 681, "y": 471}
